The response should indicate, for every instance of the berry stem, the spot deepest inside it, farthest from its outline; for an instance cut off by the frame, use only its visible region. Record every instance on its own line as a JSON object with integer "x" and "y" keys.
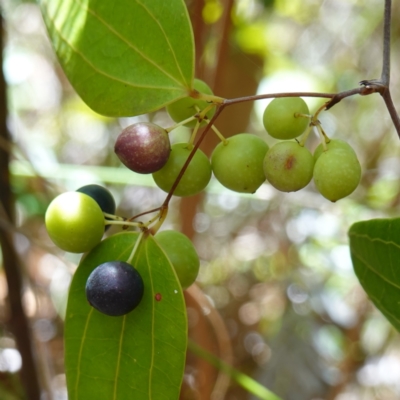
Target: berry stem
{"x": 178, "y": 124}
{"x": 194, "y": 133}
{"x": 324, "y": 138}
{"x": 219, "y": 134}
{"x": 161, "y": 218}
{"x": 302, "y": 115}
{"x": 113, "y": 217}
{"x": 135, "y": 247}
{"x": 209, "y": 98}
{"x": 305, "y": 135}
{"x": 202, "y": 114}
{"x": 125, "y": 223}
{"x": 314, "y": 118}
{"x": 157, "y": 217}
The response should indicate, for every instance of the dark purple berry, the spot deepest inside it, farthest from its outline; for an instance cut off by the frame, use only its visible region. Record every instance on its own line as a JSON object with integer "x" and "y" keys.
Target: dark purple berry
{"x": 114, "y": 288}
{"x": 102, "y": 196}
{"x": 143, "y": 147}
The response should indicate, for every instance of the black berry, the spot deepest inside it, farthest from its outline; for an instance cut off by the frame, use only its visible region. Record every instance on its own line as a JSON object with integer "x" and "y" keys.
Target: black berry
{"x": 114, "y": 288}
{"x": 102, "y": 196}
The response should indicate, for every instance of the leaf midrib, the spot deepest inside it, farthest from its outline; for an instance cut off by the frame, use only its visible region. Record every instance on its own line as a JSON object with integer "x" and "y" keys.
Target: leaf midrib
{"x": 152, "y": 318}
{"x": 115, "y": 33}
{"x": 78, "y": 369}
{"x": 166, "y": 38}
{"x": 121, "y": 339}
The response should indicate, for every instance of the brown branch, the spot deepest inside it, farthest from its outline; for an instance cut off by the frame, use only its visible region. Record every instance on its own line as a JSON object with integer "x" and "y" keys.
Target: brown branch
{"x": 18, "y": 322}
{"x": 385, "y": 76}
{"x": 392, "y": 110}
{"x": 195, "y": 147}
{"x": 229, "y": 102}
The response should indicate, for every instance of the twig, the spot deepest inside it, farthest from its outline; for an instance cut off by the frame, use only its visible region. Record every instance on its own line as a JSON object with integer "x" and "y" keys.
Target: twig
{"x": 385, "y": 76}
{"x": 229, "y": 102}
{"x": 392, "y": 110}
{"x": 195, "y": 147}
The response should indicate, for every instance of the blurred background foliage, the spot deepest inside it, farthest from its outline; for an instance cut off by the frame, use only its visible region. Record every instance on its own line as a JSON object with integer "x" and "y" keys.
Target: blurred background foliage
{"x": 275, "y": 266}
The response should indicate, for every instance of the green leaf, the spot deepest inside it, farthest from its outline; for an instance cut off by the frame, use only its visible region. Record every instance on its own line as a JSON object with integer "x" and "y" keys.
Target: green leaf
{"x": 125, "y": 57}
{"x": 137, "y": 356}
{"x": 375, "y": 251}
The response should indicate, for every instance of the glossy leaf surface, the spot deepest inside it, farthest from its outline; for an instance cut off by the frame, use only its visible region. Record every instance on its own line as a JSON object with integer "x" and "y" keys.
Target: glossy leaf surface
{"x": 125, "y": 57}
{"x": 375, "y": 251}
{"x": 140, "y": 355}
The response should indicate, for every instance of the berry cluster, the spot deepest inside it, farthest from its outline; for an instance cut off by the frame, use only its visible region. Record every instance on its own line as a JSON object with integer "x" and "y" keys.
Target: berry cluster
{"x": 76, "y": 222}
{"x": 243, "y": 162}
{"x": 290, "y": 166}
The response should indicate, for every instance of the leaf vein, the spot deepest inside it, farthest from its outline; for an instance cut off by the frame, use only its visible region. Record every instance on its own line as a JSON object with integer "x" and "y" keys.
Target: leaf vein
{"x": 152, "y": 321}
{"x": 373, "y": 270}
{"x": 166, "y": 38}
{"x": 371, "y": 239}
{"x": 127, "y": 42}
{"x": 79, "y": 373}
{"x": 121, "y": 339}
{"x": 100, "y": 72}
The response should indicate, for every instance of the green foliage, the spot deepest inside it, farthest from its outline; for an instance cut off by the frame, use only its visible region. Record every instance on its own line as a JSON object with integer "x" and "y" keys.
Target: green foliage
{"x": 375, "y": 252}
{"x": 140, "y": 355}
{"x": 123, "y": 58}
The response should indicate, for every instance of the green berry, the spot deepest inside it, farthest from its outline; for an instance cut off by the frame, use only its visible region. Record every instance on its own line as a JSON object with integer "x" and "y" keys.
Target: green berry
{"x": 237, "y": 163}
{"x": 288, "y": 166}
{"x": 196, "y": 176}
{"x": 187, "y": 107}
{"x": 281, "y": 120}
{"x": 74, "y": 222}
{"x": 182, "y": 254}
{"x": 333, "y": 144}
{"x": 337, "y": 173}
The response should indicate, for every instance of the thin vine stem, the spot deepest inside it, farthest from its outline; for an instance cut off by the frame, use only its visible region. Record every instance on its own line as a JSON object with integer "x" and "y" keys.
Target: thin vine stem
{"x": 195, "y": 147}
{"x": 229, "y": 102}
{"x": 387, "y": 16}
{"x": 392, "y": 110}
